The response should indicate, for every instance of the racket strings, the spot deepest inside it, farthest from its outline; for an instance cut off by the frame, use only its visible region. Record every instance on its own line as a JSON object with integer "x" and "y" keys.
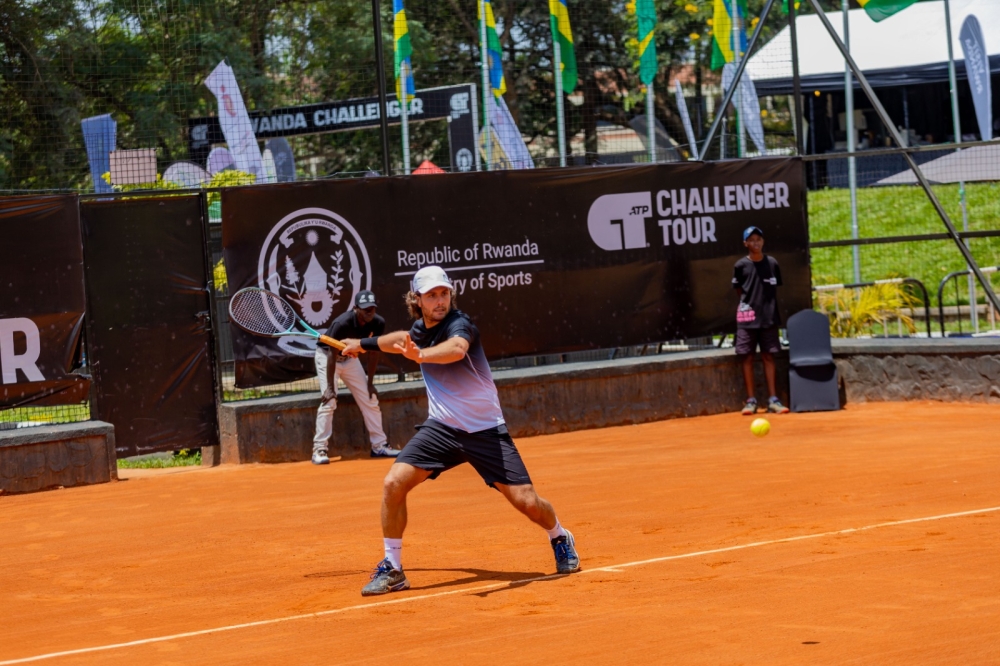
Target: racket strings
{"x": 261, "y": 312}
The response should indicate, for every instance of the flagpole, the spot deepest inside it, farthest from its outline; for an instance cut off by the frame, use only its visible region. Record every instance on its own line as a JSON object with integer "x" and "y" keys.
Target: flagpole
{"x": 487, "y": 88}
{"x": 796, "y": 81}
{"x": 560, "y": 119}
{"x": 383, "y": 104}
{"x": 957, "y": 128}
{"x": 650, "y": 123}
{"x": 852, "y": 173}
{"x": 404, "y": 116}
{"x": 740, "y": 142}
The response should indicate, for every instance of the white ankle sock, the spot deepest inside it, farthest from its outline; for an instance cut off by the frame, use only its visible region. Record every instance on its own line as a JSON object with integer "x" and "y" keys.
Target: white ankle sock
{"x": 394, "y": 552}
{"x": 556, "y": 531}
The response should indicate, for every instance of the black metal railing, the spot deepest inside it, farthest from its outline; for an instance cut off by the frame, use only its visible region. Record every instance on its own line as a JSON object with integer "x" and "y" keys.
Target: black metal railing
{"x": 973, "y": 305}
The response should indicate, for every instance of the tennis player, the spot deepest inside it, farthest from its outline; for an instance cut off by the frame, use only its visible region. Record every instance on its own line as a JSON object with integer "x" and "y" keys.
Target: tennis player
{"x": 465, "y": 424}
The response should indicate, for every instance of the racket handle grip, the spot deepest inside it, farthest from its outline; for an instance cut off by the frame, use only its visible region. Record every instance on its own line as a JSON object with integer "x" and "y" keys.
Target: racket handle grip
{"x": 327, "y": 340}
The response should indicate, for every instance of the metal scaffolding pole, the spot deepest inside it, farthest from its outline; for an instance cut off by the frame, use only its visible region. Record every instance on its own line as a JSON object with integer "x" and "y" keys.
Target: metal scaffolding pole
{"x": 957, "y": 127}
{"x": 852, "y": 165}
{"x": 380, "y": 67}
{"x": 796, "y": 80}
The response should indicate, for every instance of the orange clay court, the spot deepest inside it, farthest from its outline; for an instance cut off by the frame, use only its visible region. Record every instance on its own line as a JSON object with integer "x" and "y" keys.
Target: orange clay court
{"x": 867, "y": 536}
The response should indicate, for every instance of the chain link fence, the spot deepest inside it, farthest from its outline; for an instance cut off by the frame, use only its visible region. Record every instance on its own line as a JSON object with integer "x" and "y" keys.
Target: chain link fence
{"x": 102, "y": 95}
{"x": 896, "y": 233}
{"x": 82, "y": 78}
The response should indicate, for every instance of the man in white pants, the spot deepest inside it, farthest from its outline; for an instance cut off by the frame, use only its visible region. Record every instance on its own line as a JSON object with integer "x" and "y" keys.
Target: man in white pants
{"x": 359, "y": 322}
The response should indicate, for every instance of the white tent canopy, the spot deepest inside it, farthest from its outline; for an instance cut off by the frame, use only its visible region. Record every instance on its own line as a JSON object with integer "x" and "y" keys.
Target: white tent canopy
{"x": 905, "y": 49}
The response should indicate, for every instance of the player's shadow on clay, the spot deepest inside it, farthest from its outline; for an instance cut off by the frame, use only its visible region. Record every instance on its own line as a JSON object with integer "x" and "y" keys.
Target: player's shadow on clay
{"x": 514, "y": 578}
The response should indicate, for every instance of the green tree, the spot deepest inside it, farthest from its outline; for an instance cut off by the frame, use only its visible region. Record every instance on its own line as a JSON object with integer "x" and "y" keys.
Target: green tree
{"x": 144, "y": 61}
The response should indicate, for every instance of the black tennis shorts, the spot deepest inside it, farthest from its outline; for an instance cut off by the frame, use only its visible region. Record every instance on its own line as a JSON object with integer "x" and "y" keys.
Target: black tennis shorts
{"x": 437, "y": 448}
{"x": 747, "y": 340}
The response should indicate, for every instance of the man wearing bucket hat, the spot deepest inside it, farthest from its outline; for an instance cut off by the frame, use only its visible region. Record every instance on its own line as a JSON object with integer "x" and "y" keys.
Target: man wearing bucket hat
{"x": 465, "y": 424}
{"x": 756, "y": 278}
{"x": 359, "y": 322}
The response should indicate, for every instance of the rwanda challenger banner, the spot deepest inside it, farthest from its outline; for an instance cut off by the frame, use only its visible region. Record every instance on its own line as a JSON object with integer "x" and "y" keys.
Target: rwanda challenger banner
{"x": 42, "y": 301}
{"x": 726, "y": 12}
{"x": 494, "y": 54}
{"x": 878, "y": 10}
{"x": 404, "y": 49}
{"x": 562, "y": 33}
{"x": 544, "y": 261}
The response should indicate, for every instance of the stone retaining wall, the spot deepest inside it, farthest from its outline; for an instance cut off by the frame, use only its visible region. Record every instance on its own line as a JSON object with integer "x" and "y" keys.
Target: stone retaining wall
{"x": 952, "y": 370}
{"x": 542, "y": 400}
{"x": 576, "y": 396}
{"x": 72, "y": 454}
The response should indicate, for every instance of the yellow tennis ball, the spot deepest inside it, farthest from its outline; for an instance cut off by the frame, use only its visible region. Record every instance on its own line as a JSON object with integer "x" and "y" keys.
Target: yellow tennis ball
{"x": 760, "y": 427}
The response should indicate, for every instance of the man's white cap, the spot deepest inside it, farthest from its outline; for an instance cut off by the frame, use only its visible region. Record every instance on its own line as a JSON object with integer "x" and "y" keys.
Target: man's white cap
{"x": 428, "y": 278}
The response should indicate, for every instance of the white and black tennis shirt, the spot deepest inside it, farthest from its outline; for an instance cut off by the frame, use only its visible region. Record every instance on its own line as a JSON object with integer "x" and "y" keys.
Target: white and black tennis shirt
{"x": 460, "y": 394}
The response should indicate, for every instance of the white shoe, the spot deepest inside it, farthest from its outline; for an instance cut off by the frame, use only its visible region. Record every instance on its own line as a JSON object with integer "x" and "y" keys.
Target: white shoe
{"x": 384, "y": 452}
{"x": 320, "y": 458}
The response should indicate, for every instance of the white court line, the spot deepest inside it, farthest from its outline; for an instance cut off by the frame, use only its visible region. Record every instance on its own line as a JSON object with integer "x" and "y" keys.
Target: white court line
{"x": 613, "y": 568}
{"x": 452, "y": 269}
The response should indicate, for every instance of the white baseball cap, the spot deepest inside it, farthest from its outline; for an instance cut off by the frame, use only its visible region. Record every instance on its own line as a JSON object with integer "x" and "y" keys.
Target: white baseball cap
{"x": 428, "y": 278}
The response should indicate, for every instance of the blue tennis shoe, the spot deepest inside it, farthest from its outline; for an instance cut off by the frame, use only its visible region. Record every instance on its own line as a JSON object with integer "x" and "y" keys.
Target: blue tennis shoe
{"x": 567, "y": 559}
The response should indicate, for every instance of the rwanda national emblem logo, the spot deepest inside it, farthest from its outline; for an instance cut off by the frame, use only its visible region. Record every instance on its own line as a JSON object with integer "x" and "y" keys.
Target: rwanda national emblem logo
{"x": 316, "y": 260}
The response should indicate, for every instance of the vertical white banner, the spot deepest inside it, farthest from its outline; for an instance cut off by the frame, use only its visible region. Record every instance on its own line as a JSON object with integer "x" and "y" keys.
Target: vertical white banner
{"x": 235, "y": 121}
{"x": 507, "y": 134}
{"x": 749, "y": 106}
{"x": 686, "y": 119}
{"x": 977, "y": 70}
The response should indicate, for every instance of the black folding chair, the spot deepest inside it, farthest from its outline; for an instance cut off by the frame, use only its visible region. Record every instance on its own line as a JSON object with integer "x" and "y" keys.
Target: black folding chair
{"x": 812, "y": 374}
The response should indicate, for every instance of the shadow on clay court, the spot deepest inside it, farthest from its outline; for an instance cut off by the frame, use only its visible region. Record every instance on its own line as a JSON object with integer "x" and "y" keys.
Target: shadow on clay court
{"x": 515, "y": 578}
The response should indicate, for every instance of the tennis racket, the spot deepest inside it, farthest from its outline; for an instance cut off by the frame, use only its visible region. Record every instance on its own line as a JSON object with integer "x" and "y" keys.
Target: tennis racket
{"x": 262, "y": 312}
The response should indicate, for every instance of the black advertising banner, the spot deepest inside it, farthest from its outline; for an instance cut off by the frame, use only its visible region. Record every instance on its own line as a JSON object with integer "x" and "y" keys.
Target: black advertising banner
{"x": 151, "y": 340}
{"x": 456, "y": 104}
{"x": 42, "y": 301}
{"x": 544, "y": 261}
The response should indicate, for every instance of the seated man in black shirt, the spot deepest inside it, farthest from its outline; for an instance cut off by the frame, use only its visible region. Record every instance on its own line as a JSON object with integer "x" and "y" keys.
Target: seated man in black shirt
{"x": 359, "y": 322}
{"x": 756, "y": 279}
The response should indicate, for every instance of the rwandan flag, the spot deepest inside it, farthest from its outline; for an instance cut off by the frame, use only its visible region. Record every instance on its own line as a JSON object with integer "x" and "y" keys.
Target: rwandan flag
{"x": 722, "y": 31}
{"x": 883, "y": 9}
{"x": 493, "y": 54}
{"x": 645, "y": 11}
{"x": 559, "y": 22}
{"x": 401, "y": 35}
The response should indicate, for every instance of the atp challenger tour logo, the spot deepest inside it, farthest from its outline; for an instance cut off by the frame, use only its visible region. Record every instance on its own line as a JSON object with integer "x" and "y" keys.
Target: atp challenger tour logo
{"x": 315, "y": 260}
{"x": 619, "y": 221}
